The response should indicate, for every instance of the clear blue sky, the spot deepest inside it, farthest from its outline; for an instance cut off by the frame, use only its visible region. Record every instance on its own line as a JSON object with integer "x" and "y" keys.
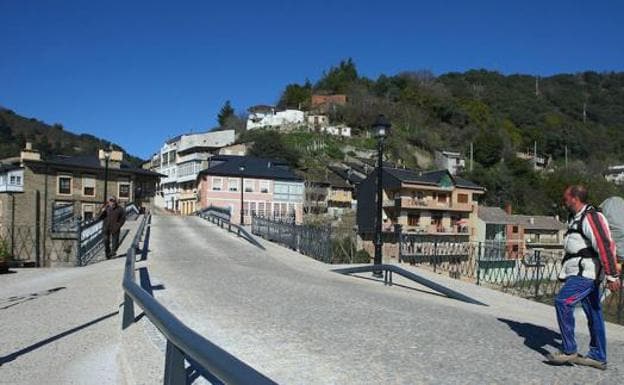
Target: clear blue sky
{"x": 138, "y": 72}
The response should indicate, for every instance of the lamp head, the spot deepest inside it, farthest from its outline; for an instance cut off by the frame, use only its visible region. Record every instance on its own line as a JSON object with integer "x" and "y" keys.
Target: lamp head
{"x": 381, "y": 126}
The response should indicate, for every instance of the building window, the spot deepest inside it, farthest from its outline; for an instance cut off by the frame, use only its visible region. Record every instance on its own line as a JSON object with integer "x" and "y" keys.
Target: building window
{"x": 441, "y": 198}
{"x": 124, "y": 190}
{"x": 462, "y": 198}
{"x": 515, "y": 229}
{"x": 88, "y": 212}
{"x": 217, "y": 184}
{"x": 233, "y": 185}
{"x": 413, "y": 219}
{"x": 88, "y": 186}
{"x": 514, "y": 248}
{"x": 64, "y": 185}
{"x": 15, "y": 180}
{"x": 264, "y": 186}
{"x": 249, "y": 185}
{"x": 436, "y": 219}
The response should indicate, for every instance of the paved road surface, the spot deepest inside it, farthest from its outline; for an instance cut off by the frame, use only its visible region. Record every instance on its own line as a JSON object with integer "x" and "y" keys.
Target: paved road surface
{"x": 299, "y": 323}
{"x": 61, "y": 325}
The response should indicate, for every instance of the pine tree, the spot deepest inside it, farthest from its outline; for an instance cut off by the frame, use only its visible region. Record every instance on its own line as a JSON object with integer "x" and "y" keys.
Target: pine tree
{"x": 226, "y": 112}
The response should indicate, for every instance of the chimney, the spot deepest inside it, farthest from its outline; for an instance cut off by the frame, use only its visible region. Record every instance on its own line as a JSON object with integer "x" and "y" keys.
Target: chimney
{"x": 29, "y": 154}
{"x": 532, "y": 220}
{"x": 508, "y": 208}
{"x": 115, "y": 158}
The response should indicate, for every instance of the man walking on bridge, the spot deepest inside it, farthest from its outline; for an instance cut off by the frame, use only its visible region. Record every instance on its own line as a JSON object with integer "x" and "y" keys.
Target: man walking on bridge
{"x": 113, "y": 217}
{"x": 590, "y": 256}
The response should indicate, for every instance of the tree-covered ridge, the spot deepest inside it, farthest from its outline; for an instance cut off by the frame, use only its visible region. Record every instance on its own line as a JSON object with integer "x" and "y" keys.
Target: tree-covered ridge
{"x": 16, "y": 130}
{"x": 581, "y": 114}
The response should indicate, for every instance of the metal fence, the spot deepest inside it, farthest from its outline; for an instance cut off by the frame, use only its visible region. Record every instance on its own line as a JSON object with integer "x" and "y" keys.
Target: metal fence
{"x": 183, "y": 343}
{"x": 91, "y": 242}
{"x": 521, "y": 271}
{"x": 63, "y": 217}
{"x": 313, "y": 241}
{"x": 218, "y": 219}
{"x": 31, "y": 246}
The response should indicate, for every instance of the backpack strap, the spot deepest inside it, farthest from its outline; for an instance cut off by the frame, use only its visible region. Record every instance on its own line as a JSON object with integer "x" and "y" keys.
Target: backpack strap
{"x": 576, "y": 226}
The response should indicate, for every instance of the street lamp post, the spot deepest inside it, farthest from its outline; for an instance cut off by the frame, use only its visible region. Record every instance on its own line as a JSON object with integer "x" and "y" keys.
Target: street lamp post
{"x": 107, "y": 155}
{"x": 380, "y": 128}
{"x": 242, "y": 219}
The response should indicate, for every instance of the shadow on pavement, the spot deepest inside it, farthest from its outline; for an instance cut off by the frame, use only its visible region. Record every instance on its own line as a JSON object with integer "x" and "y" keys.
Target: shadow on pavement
{"x": 535, "y": 337}
{"x": 37, "y": 345}
{"x": 146, "y": 240}
{"x": 14, "y": 301}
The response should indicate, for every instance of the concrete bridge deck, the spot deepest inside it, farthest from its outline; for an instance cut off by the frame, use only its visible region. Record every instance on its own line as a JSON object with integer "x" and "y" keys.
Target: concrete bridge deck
{"x": 296, "y": 321}
{"x": 286, "y": 315}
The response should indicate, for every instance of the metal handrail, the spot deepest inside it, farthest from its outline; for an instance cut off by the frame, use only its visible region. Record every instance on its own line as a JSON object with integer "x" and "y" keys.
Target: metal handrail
{"x": 389, "y": 269}
{"x": 219, "y": 220}
{"x": 182, "y": 342}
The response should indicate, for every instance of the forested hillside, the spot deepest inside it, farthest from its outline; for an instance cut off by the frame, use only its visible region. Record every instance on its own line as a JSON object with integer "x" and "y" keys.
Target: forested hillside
{"x": 499, "y": 114}
{"x": 16, "y": 130}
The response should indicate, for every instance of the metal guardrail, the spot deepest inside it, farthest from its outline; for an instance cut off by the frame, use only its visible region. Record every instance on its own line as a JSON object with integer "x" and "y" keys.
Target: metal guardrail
{"x": 222, "y": 212}
{"x": 388, "y": 270}
{"x": 313, "y": 241}
{"x": 182, "y": 342}
{"x": 216, "y": 218}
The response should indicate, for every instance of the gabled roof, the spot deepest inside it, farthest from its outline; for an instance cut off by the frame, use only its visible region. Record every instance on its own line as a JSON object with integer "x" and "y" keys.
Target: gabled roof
{"x": 93, "y": 162}
{"x": 537, "y": 222}
{"x": 353, "y": 178}
{"x": 433, "y": 178}
{"x": 496, "y": 215}
{"x": 8, "y": 167}
{"x": 493, "y": 215}
{"x": 261, "y": 168}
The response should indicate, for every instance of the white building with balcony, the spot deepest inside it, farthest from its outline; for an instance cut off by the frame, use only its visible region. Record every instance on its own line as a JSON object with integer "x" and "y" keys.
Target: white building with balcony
{"x": 454, "y": 162}
{"x": 270, "y": 117}
{"x": 181, "y": 159}
{"x": 11, "y": 179}
{"x": 615, "y": 174}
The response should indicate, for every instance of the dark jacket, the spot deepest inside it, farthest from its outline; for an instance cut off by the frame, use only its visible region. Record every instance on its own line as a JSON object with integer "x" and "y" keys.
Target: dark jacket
{"x": 113, "y": 218}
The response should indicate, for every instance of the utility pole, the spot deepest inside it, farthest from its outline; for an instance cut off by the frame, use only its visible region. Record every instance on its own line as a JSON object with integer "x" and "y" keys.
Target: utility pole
{"x": 566, "y": 156}
{"x": 535, "y": 155}
{"x": 537, "y": 92}
{"x": 471, "y": 156}
{"x": 584, "y": 112}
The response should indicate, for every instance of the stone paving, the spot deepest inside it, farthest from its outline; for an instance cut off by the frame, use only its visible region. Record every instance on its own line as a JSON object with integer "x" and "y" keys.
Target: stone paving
{"x": 294, "y": 320}
{"x": 61, "y": 325}
{"x": 287, "y": 315}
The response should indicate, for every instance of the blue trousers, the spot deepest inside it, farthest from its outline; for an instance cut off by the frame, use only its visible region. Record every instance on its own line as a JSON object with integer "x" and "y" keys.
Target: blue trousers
{"x": 586, "y": 291}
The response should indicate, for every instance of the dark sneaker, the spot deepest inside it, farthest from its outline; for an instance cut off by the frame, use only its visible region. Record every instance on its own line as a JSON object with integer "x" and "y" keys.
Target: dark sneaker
{"x": 587, "y": 361}
{"x": 561, "y": 358}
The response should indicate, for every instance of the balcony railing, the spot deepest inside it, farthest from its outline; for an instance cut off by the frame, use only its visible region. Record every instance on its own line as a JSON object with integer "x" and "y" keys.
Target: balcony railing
{"x": 428, "y": 204}
{"x": 433, "y": 229}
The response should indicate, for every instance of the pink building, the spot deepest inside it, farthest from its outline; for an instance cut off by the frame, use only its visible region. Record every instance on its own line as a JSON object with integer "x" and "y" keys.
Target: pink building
{"x": 269, "y": 188}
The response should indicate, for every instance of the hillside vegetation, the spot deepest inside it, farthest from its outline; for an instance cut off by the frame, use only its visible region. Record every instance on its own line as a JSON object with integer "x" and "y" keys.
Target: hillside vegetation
{"x": 16, "y": 130}
{"x": 499, "y": 114}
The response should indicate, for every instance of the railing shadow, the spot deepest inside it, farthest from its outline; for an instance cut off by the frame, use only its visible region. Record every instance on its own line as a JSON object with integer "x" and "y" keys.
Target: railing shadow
{"x": 146, "y": 240}
{"x": 12, "y": 356}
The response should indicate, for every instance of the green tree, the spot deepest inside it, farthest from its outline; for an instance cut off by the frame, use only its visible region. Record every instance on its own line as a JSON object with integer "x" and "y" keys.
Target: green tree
{"x": 338, "y": 79}
{"x": 296, "y": 96}
{"x": 225, "y": 113}
{"x": 270, "y": 144}
{"x": 488, "y": 147}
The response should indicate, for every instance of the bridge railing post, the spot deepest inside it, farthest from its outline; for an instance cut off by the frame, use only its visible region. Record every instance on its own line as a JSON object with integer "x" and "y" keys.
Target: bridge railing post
{"x": 175, "y": 373}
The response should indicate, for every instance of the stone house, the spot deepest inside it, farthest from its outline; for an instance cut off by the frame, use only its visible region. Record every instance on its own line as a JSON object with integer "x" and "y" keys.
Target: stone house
{"x": 73, "y": 185}
{"x": 432, "y": 203}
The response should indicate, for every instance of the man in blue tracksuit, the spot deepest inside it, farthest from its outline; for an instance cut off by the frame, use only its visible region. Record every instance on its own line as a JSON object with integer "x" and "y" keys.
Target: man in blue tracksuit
{"x": 590, "y": 257}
